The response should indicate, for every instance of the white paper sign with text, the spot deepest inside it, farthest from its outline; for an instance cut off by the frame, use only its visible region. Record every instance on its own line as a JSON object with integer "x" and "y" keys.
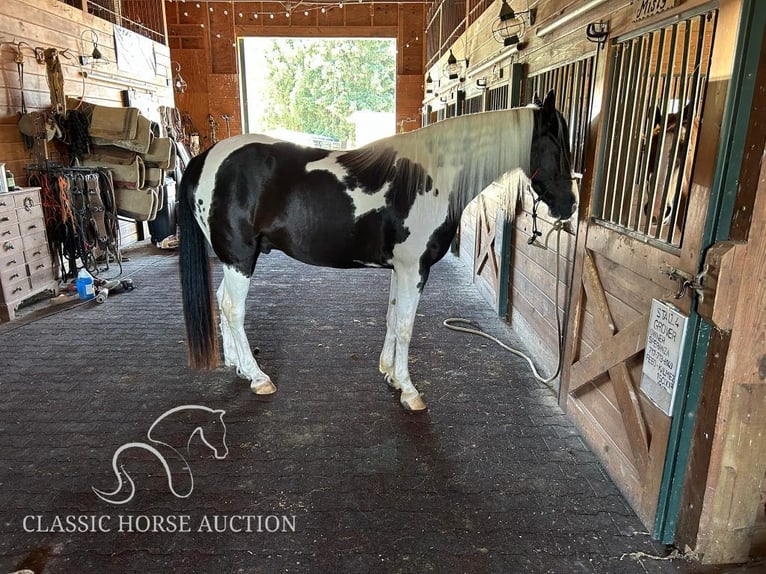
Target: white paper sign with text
{"x": 662, "y": 357}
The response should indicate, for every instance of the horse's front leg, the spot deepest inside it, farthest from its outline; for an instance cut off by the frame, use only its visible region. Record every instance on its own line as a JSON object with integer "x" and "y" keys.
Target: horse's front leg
{"x": 388, "y": 353}
{"x": 232, "y": 300}
{"x": 407, "y": 298}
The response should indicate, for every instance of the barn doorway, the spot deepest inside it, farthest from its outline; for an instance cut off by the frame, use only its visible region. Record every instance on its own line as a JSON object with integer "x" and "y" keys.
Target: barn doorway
{"x": 325, "y": 92}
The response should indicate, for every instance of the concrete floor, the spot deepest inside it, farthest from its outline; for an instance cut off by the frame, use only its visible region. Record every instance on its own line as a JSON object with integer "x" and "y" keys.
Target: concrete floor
{"x": 329, "y": 475}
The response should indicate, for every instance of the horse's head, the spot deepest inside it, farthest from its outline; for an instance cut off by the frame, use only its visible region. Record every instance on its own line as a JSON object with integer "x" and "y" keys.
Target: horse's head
{"x": 667, "y": 152}
{"x": 213, "y": 434}
{"x": 551, "y": 162}
{"x": 658, "y": 137}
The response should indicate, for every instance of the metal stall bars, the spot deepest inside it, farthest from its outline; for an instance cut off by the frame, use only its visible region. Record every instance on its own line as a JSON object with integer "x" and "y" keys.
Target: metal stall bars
{"x": 658, "y": 80}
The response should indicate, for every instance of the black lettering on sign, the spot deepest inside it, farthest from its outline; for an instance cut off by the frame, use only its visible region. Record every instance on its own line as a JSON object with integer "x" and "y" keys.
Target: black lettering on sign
{"x": 648, "y": 8}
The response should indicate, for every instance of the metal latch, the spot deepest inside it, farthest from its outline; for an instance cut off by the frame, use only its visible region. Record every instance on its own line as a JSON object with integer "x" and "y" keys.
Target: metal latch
{"x": 687, "y": 281}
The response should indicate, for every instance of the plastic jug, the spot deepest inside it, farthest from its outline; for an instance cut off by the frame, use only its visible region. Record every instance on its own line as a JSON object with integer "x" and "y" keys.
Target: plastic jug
{"x": 85, "y": 288}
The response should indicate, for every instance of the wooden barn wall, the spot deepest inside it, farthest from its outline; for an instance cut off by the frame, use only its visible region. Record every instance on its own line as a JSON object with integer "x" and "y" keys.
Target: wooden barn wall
{"x": 52, "y": 23}
{"x": 204, "y": 43}
{"x": 728, "y": 483}
{"x": 532, "y": 285}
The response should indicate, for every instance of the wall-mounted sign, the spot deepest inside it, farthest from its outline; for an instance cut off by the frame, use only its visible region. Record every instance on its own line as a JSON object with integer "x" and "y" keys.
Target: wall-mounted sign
{"x": 648, "y": 8}
{"x": 662, "y": 356}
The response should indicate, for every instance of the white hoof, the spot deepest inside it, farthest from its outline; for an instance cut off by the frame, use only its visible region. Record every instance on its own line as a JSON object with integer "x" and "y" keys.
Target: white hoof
{"x": 263, "y": 387}
{"x": 413, "y": 403}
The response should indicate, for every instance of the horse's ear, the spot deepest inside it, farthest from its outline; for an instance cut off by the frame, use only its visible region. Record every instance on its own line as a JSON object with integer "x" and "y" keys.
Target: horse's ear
{"x": 537, "y": 101}
{"x": 657, "y": 117}
{"x": 549, "y": 105}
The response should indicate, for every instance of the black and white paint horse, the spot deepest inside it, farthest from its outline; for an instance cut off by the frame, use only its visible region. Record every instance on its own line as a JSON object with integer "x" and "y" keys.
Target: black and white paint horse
{"x": 394, "y": 203}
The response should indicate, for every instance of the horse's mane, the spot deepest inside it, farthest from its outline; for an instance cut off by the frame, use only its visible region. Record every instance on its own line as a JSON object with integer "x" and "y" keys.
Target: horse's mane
{"x": 460, "y": 155}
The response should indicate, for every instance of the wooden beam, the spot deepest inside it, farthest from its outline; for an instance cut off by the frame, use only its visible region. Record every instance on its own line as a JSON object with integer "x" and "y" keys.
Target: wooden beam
{"x": 626, "y": 343}
{"x": 738, "y": 490}
{"x": 630, "y": 407}
{"x": 317, "y": 31}
{"x": 738, "y": 458}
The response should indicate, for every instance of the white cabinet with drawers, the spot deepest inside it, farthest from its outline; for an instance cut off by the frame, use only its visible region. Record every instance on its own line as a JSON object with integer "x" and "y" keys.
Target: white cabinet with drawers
{"x": 26, "y": 265}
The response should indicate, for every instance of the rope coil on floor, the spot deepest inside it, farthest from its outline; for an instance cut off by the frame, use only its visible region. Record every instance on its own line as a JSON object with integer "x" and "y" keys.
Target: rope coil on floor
{"x": 475, "y": 330}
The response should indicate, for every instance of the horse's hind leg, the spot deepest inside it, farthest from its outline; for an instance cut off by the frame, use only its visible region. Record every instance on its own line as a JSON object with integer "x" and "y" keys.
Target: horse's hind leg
{"x": 229, "y": 349}
{"x": 407, "y": 298}
{"x": 231, "y": 296}
{"x": 388, "y": 353}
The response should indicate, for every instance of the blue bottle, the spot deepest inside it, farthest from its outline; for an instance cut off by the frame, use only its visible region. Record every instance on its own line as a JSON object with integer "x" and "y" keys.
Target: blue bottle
{"x": 85, "y": 288}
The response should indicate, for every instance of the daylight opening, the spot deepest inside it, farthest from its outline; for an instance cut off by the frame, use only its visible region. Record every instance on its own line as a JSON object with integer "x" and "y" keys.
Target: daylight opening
{"x": 330, "y": 93}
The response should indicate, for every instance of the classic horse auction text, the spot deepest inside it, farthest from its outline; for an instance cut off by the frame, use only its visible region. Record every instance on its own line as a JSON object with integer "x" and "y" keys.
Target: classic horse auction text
{"x": 155, "y": 523}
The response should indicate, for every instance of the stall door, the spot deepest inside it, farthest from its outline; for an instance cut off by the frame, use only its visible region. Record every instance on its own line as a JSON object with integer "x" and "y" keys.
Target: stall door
{"x": 650, "y": 197}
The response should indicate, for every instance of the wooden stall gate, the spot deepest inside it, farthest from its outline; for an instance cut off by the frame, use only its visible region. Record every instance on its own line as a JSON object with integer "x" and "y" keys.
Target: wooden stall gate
{"x": 640, "y": 236}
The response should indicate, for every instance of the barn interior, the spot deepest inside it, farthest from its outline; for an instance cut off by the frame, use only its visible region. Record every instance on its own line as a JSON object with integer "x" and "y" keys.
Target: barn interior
{"x": 640, "y": 448}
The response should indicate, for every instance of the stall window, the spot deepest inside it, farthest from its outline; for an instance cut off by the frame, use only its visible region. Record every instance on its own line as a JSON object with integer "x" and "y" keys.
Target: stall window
{"x": 475, "y": 104}
{"x": 657, "y": 84}
{"x": 497, "y": 98}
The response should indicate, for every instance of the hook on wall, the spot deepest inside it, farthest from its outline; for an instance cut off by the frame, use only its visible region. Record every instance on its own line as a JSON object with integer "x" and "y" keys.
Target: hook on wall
{"x": 18, "y": 57}
{"x": 179, "y": 84}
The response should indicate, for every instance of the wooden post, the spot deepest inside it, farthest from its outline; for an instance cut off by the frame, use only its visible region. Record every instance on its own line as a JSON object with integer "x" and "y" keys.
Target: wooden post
{"x": 738, "y": 458}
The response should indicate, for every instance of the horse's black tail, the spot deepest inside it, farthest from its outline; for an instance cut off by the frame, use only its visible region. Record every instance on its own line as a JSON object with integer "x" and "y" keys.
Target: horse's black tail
{"x": 196, "y": 279}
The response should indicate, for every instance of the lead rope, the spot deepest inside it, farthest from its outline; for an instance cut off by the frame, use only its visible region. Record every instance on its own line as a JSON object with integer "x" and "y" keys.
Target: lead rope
{"x": 450, "y": 323}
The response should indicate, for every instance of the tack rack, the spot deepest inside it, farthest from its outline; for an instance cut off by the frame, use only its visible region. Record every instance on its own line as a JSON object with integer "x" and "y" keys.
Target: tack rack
{"x": 80, "y": 216}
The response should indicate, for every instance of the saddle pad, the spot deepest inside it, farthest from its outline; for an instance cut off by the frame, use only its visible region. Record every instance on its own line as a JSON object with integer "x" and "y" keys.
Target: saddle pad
{"x": 160, "y": 153}
{"x": 113, "y": 123}
{"x": 140, "y": 143}
{"x": 111, "y": 154}
{"x": 130, "y": 176}
{"x": 138, "y": 204}
{"x": 155, "y": 177}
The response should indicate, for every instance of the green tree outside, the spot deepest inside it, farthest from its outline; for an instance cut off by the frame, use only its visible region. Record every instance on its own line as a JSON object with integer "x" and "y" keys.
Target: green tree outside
{"x": 316, "y": 84}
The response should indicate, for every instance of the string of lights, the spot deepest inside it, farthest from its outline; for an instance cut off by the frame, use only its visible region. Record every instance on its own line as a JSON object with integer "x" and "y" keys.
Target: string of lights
{"x": 286, "y": 8}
